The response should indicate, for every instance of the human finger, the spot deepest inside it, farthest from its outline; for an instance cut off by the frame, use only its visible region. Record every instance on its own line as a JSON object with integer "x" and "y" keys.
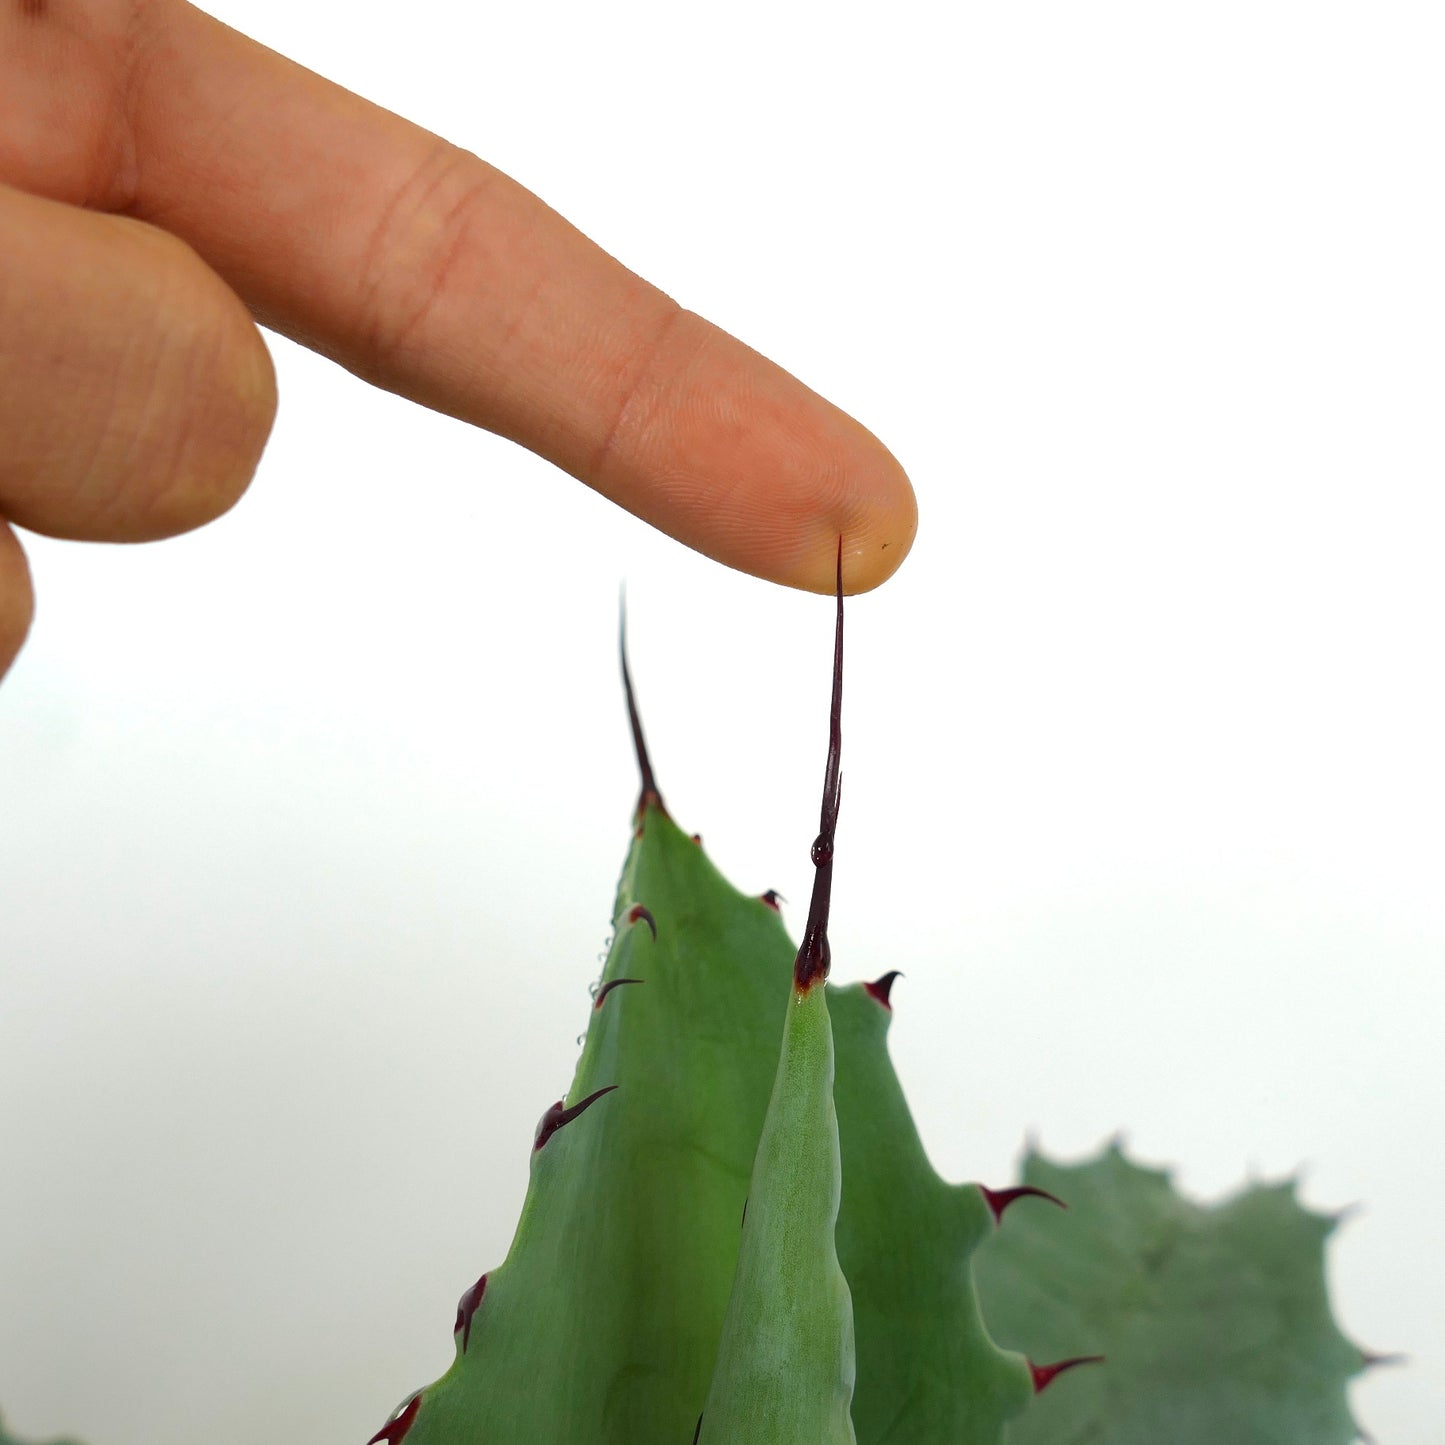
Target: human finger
{"x": 430, "y": 273}
{"x": 17, "y": 602}
{"x": 135, "y": 392}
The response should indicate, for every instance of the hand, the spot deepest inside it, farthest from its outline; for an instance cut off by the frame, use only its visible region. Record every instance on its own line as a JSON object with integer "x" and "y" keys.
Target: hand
{"x": 164, "y": 180}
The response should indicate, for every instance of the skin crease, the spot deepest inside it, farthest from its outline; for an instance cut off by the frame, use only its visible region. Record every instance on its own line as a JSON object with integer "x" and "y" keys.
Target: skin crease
{"x": 166, "y": 183}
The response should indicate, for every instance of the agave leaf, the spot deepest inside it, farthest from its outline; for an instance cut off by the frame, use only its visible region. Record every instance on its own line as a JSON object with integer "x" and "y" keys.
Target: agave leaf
{"x": 927, "y": 1369}
{"x": 1214, "y": 1321}
{"x": 602, "y": 1324}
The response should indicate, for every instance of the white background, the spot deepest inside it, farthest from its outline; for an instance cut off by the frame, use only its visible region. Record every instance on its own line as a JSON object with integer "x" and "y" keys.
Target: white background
{"x": 309, "y": 823}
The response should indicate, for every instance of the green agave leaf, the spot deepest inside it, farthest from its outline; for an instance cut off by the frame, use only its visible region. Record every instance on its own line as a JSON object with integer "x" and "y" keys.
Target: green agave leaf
{"x": 1214, "y": 1321}
{"x": 927, "y": 1370}
{"x": 6, "y": 1438}
{"x": 602, "y": 1324}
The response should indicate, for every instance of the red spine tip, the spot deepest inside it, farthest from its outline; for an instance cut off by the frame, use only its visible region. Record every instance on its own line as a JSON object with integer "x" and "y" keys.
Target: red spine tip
{"x": 638, "y": 914}
{"x": 882, "y": 988}
{"x": 466, "y": 1308}
{"x": 772, "y": 898}
{"x": 999, "y": 1199}
{"x": 609, "y": 986}
{"x": 1045, "y": 1375}
{"x": 394, "y": 1431}
{"x": 697, "y": 838}
{"x": 557, "y": 1117}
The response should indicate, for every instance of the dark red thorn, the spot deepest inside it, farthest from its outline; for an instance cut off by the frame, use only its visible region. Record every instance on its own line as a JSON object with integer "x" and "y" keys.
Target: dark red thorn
{"x": 466, "y": 1308}
{"x": 648, "y": 797}
{"x": 999, "y": 1199}
{"x": 1045, "y": 1375}
{"x": 609, "y": 986}
{"x": 697, "y": 838}
{"x": 1369, "y": 1360}
{"x": 814, "y": 956}
{"x": 394, "y": 1431}
{"x": 557, "y": 1117}
{"x": 772, "y": 898}
{"x": 881, "y": 988}
{"x": 638, "y": 914}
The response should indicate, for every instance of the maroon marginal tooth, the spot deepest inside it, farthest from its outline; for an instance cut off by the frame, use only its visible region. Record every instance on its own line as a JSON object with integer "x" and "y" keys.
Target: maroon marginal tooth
{"x": 609, "y": 986}
{"x": 1045, "y": 1375}
{"x": 772, "y": 898}
{"x": 394, "y": 1431}
{"x": 882, "y": 988}
{"x": 557, "y": 1117}
{"x": 466, "y": 1308}
{"x": 999, "y": 1199}
{"x": 697, "y": 838}
{"x": 638, "y": 914}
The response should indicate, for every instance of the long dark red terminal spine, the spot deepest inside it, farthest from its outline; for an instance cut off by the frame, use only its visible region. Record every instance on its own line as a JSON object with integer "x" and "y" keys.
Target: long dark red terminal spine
{"x": 814, "y": 956}
{"x": 648, "y": 797}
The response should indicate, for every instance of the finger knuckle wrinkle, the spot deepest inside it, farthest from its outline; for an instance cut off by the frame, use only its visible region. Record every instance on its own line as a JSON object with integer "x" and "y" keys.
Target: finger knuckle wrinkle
{"x": 419, "y": 241}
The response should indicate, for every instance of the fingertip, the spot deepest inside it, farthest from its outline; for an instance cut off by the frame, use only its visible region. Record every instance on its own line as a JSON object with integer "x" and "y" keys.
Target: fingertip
{"x": 875, "y": 515}
{"x": 214, "y": 383}
{"x": 17, "y": 597}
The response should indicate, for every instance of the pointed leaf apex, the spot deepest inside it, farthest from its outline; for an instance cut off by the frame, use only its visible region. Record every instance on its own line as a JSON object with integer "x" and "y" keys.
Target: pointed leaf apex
{"x": 882, "y": 988}
{"x": 648, "y": 796}
{"x": 394, "y": 1431}
{"x": 557, "y": 1117}
{"x": 999, "y": 1199}
{"x": 1045, "y": 1375}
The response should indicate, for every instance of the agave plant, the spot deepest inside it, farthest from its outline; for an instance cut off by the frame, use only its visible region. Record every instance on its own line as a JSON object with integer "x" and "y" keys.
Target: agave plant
{"x": 732, "y": 1234}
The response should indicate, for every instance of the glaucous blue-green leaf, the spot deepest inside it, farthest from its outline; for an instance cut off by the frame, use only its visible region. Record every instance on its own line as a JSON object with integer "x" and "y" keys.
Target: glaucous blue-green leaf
{"x": 1214, "y": 1320}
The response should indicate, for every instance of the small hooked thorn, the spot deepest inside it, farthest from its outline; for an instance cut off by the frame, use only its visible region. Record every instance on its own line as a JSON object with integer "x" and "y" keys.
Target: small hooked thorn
{"x": 1045, "y": 1375}
{"x": 557, "y": 1117}
{"x": 814, "y": 956}
{"x": 394, "y": 1431}
{"x": 466, "y": 1308}
{"x": 882, "y": 988}
{"x": 608, "y": 987}
{"x": 648, "y": 797}
{"x": 999, "y": 1199}
{"x": 697, "y": 838}
{"x": 772, "y": 898}
{"x": 639, "y": 914}
{"x": 1370, "y": 1359}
